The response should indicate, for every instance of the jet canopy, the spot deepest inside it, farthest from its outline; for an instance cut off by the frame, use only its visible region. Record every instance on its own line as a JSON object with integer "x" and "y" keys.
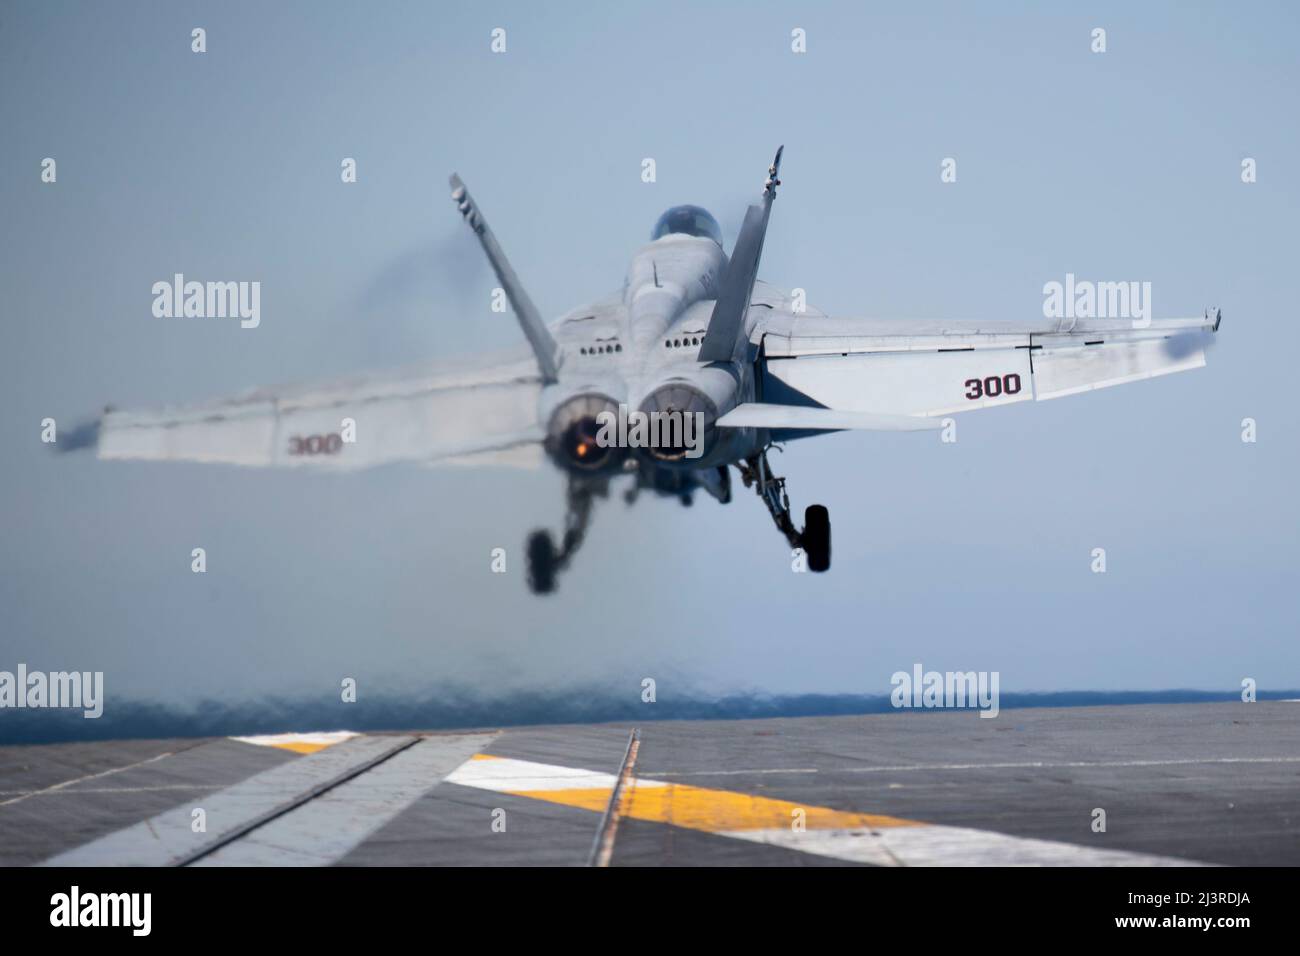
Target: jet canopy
{"x": 689, "y": 221}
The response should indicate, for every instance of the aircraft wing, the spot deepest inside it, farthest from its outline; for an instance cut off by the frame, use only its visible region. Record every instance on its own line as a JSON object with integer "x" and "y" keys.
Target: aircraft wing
{"x": 452, "y": 414}
{"x": 882, "y": 369}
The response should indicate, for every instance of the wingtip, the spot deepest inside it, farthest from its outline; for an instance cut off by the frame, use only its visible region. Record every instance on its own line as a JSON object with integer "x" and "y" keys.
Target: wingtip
{"x": 83, "y": 436}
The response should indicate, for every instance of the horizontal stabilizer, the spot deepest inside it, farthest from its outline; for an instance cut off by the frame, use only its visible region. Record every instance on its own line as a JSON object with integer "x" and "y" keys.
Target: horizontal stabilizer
{"x": 759, "y": 415}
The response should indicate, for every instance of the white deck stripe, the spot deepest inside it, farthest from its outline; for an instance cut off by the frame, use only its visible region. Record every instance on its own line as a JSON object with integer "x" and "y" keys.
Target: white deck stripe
{"x": 504, "y": 774}
{"x": 167, "y": 837}
{"x": 23, "y": 795}
{"x": 935, "y": 845}
{"x": 191, "y": 787}
{"x": 326, "y": 829}
{"x": 325, "y": 739}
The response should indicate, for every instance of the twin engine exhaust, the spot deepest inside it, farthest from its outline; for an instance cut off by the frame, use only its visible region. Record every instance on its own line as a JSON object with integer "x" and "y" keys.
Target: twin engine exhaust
{"x": 590, "y": 433}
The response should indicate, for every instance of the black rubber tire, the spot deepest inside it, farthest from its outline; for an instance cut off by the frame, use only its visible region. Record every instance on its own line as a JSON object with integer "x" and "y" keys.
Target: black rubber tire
{"x": 541, "y": 562}
{"x": 817, "y": 537}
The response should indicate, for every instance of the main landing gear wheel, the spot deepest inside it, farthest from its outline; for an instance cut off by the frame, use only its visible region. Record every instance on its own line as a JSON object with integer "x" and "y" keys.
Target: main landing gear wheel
{"x": 817, "y": 537}
{"x": 542, "y": 561}
{"x": 545, "y": 559}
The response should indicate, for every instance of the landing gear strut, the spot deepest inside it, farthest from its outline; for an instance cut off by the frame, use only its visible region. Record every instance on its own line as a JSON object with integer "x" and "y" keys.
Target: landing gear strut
{"x": 545, "y": 561}
{"x": 815, "y": 539}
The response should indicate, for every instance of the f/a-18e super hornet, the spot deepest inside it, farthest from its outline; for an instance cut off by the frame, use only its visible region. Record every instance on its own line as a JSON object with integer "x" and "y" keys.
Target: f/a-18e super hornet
{"x": 694, "y": 331}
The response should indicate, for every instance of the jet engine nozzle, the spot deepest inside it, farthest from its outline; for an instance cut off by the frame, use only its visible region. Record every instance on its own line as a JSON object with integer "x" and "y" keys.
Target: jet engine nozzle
{"x": 573, "y": 430}
{"x": 682, "y": 423}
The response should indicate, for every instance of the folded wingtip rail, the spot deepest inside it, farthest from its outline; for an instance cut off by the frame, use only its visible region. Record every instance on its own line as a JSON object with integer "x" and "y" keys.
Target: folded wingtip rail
{"x": 530, "y": 320}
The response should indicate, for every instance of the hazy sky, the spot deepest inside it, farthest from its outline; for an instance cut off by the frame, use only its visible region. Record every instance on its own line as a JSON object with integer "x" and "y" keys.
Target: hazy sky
{"x": 225, "y": 165}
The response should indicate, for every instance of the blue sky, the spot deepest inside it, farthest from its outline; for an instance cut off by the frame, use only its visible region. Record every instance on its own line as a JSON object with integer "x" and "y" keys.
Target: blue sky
{"x": 1122, "y": 165}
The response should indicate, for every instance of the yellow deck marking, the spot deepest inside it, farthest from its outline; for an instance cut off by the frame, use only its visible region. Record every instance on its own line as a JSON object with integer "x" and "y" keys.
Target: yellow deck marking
{"x": 716, "y": 810}
{"x": 301, "y": 748}
{"x": 696, "y": 808}
{"x": 299, "y": 743}
{"x": 857, "y": 837}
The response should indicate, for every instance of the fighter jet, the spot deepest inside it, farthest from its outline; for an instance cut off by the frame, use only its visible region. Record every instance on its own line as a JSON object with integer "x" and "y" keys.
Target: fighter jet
{"x": 692, "y": 331}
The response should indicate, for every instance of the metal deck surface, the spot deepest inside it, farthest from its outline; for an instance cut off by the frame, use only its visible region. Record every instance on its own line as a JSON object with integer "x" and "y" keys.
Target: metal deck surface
{"x": 1179, "y": 783}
